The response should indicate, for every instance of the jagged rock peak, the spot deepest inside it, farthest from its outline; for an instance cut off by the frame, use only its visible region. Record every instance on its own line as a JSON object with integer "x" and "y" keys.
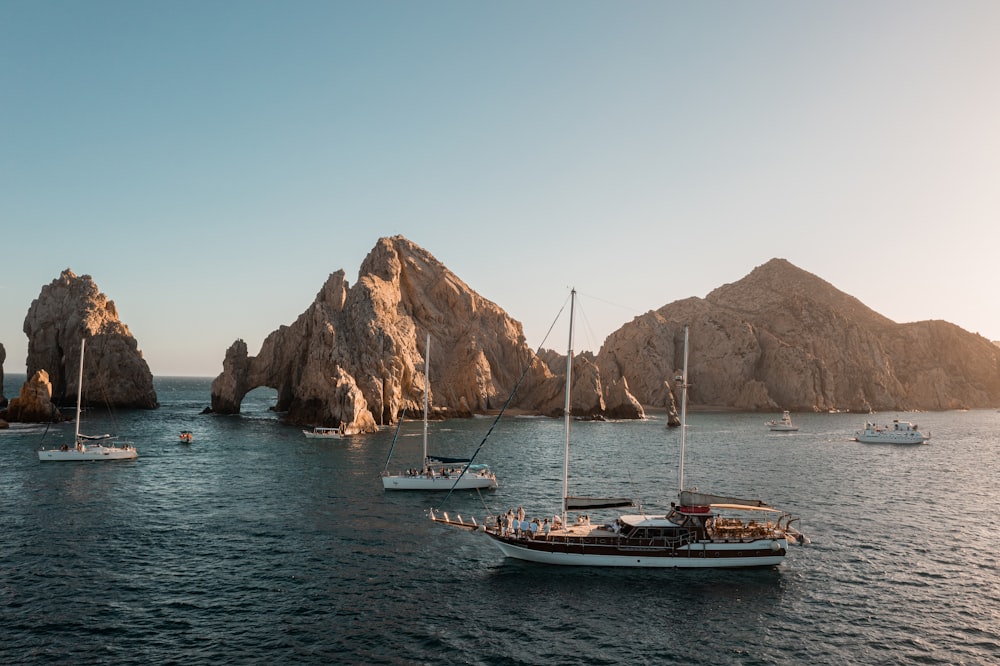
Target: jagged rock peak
{"x": 779, "y": 284}
{"x": 34, "y": 403}
{"x": 67, "y": 310}
{"x": 357, "y": 355}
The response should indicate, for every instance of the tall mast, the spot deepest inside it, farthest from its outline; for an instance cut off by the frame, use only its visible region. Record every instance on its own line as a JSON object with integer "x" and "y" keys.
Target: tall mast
{"x": 79, "y": 390}
{"x": 566, "y": 407}
{"x": 427, "y": 387}
{"x": 684, "y": 399}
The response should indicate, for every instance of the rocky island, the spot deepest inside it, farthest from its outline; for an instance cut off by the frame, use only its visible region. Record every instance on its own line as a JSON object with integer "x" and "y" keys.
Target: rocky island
{"x": 355, "y": 356}
{"x": 68, "y": 309}
{"x": 780, "y": 338}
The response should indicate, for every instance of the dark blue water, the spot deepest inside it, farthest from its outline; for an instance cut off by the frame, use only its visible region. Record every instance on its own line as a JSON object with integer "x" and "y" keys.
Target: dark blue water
{"x": 256, "y": 545}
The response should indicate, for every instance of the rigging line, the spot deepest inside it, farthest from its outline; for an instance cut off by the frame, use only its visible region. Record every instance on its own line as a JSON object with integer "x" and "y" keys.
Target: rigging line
{"x": 592, "y": 342}
{"x": 399, "y": 426}
{"x": 504, "y": 408}
{"x": 116, "y": 428}
{"x": 607, "y": 302}
{"x": 489, "y": 511}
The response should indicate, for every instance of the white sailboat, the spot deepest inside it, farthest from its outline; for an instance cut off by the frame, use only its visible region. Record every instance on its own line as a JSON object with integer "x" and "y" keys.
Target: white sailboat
{"x": 699, "y": 531}
{"x": 451, "y": 473}
{"x": 89, "y": 447}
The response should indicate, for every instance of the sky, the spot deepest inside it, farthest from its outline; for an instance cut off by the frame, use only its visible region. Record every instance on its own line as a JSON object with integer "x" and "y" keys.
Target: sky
{"x": 210, "y": 163}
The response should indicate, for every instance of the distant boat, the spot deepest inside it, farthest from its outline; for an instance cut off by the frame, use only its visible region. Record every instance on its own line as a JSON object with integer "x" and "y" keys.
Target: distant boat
{"x": 451, "y": 473}
{"x": 699, "y": 531}
{"x": 89, "y": 447}
{"x": 324, "y": 433}
{"x": 784, "y": 425}
{"x": 897, "y": 432}
{"x": 187, "y": 436}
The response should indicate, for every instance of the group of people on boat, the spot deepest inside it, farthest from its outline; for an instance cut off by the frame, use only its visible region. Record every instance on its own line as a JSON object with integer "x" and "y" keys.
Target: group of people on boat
{"x": 733, "y": 529}
{"x": 445, "y": 473}
{"x": 513, "y": 523}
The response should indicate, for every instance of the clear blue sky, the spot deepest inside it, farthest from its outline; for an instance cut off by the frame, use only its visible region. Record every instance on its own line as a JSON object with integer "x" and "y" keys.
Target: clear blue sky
{"x": 210, "y": 163}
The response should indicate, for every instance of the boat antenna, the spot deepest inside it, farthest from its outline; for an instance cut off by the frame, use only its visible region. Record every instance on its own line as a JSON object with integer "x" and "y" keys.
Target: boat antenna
{"x": 684, "y": 397}
{"x": 566, "y": 407}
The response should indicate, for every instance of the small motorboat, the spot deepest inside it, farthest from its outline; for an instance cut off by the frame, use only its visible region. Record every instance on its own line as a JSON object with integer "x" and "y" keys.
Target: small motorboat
{"x": 784, "y": 425}
{"x": 187, "y": 436}
{"x": 324, "y": 433}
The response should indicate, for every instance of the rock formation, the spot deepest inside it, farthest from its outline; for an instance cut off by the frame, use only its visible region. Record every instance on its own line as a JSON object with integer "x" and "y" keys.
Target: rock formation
{"x": 34, "y": 403}
{"x": 355, "y": 356}
{"x": 71, "y": 308}
{"x": 782, "y": 338}
{"x": 3, "y": 357}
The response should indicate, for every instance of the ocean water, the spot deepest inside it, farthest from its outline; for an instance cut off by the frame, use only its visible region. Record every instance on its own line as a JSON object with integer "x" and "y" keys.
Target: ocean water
{"x": 257, "y": 545}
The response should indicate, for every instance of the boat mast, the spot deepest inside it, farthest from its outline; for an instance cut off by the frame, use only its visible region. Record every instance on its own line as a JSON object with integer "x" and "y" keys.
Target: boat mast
{"x": 684, "y": 399}
{"x": 79, "y": 391}
{"x": 427, "y": 388}
{"x": 566, "y": 407}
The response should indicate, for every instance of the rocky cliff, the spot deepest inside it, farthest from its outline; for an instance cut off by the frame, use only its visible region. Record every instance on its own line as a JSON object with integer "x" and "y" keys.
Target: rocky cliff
{"x": 356, "y": 355}
{"x": 782, "y": 338}
{"x": 3, "y": 357}
{"x": 34, "y": 402}
{"x": 68, "y": 309}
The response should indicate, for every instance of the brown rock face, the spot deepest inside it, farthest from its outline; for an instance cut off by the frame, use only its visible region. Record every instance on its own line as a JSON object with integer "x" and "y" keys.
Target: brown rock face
{"x": 355, "y": 356}
{"x": 3, "y": 357}
{"x": 34, "y": 403}
{"x": 67, "y": 310}
{"x": 782, "y": 338}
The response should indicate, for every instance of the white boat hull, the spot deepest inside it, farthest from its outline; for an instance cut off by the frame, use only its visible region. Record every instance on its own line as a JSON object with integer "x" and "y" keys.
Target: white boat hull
{"x": 437, "y": 482}
{"x": 89, "y": 453}
{"x": 890, "y": 438}
{"x": 767, "y": 553}
{"x": 311, "y": 434}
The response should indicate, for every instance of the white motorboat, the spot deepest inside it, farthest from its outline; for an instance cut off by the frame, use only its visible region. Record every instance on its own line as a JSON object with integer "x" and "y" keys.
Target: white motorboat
{"x": 699, "y": 531}
{"x": 897, "y": 432}
{"x": 784, "y": 424}
{"x": 89, "y": 447}
{"x": 324, "y": 433}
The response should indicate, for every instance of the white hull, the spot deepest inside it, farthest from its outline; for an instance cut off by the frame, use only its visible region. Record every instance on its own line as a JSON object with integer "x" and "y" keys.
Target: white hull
{"x": 89, "y": 453}
{"x": 438, "y": 483}
{"x": 697, "y": 556}
{"x": 891, "y": 438}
